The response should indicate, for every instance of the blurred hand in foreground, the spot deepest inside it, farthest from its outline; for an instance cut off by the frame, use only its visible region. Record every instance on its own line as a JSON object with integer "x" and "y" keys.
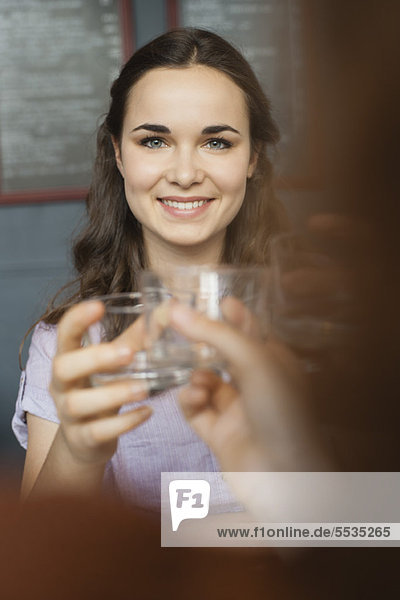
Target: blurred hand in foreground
{"x": 260, "y": 421}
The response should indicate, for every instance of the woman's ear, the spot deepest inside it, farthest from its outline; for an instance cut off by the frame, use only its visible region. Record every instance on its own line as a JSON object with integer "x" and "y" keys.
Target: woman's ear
{"x": 117, "y": 152}
{"x": 252, "y": 163}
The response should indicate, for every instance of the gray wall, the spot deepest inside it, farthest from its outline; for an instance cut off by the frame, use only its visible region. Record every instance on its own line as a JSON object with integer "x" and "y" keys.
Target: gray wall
{"x": 33, "y": 264}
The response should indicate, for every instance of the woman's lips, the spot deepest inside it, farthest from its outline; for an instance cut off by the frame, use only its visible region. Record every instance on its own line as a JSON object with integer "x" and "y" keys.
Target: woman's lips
{"x": 185, "y": 206}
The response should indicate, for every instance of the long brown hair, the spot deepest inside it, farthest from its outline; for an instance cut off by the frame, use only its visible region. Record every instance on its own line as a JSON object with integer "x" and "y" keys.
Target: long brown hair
{"x": 109, "y": 252}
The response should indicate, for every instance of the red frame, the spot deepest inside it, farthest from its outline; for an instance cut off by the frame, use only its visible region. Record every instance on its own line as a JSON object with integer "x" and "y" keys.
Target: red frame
{"x": 78, "y": 193}
{"x": 172, "y": 14}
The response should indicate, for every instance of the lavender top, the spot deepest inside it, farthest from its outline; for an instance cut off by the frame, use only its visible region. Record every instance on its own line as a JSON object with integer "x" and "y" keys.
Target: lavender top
{"x": 163, "y": 443}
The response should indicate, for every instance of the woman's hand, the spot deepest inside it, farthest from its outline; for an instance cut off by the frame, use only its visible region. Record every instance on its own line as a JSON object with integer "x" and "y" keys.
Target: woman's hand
{"x": 90, "y": 422}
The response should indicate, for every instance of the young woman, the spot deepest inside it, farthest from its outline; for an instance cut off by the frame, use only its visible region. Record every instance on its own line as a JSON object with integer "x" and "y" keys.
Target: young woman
{"x": 181, "y": 177}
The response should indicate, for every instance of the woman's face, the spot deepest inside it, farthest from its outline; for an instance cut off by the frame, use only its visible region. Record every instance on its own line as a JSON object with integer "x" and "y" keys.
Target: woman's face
{"x": 185, "y": 154}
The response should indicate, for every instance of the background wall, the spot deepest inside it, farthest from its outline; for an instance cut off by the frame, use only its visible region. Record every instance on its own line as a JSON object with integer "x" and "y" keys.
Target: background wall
{"x": 34, "y": 260}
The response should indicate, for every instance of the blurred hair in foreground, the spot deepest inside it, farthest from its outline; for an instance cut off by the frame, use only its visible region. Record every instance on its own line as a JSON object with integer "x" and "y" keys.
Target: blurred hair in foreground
{"x": 358, "y": 94}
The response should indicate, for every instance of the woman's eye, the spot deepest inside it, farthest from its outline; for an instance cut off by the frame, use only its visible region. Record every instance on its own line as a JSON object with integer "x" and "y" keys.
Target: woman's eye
{"x": 153, "y": 142}
{"x": 218, "y": 144}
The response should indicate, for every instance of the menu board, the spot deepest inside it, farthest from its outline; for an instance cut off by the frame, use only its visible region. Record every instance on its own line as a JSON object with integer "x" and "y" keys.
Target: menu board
{"x": 57, "y": 61}
{"x": 269, "y": 34}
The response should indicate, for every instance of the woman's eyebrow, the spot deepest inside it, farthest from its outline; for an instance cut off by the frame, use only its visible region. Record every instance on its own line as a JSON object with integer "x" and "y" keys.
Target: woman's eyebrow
{"x": 156, "y": 128}
{"x": 218, "y": 129}
{"x": 152, "y": 127}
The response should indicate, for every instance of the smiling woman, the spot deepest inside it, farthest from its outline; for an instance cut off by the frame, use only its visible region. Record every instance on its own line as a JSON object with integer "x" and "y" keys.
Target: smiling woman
{"x": 185, "y": 183}
{"x": 181, "y": 177}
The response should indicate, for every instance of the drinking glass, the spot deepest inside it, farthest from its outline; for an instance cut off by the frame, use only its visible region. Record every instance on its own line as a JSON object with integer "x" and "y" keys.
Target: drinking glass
{"x": 121, "y": 312}
{"x": 224, "y": 292}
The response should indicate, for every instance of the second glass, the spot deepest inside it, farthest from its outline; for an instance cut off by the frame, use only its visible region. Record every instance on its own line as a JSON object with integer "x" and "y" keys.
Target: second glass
{"x": 235, "y": 294}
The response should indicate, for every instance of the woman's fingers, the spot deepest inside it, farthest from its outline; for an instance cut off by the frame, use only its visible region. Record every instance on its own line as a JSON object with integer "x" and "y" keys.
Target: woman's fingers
{"x": 75, "y": 322}
{"x": 90, "y": 419}
{"x": 73, "y": 363}
{"x": 91, "y": 402}
{"x": 101, "y": 431}
{"x": 99, "y": 358}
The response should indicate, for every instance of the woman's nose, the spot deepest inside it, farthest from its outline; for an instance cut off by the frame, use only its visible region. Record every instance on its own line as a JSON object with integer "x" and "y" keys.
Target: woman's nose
{"x": 184, "y": 169}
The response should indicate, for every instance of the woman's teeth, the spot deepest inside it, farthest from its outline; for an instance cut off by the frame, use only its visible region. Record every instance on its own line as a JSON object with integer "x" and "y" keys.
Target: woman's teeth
{"x": 184, "y": 205}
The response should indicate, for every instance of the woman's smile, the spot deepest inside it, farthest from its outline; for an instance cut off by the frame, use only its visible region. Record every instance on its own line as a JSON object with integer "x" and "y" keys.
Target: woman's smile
{"x": 185, "y": 207}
